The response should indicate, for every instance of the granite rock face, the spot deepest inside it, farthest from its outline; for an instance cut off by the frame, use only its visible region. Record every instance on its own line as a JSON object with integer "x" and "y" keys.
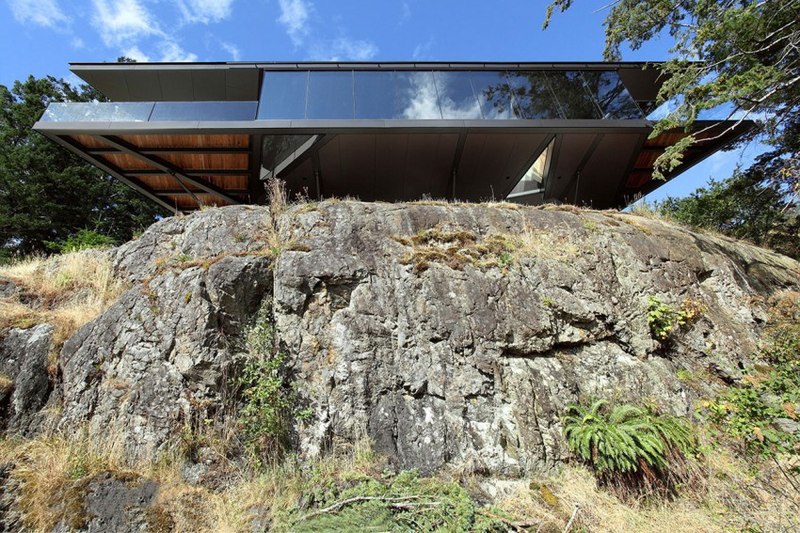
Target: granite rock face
{"x": 464, "y": 363}
{"x": 473, "y": 367}
{"x": 26, "y": 383}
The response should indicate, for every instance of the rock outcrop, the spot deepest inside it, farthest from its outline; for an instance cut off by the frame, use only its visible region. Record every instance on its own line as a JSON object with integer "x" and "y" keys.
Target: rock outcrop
{"x": 25, "y": 384}
{"x": 450, "y": 335}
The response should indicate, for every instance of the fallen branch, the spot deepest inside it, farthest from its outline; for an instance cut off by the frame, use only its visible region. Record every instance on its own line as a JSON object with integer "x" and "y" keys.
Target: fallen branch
{"x": 338, "y": 505}
{"x": 572, "y": 518}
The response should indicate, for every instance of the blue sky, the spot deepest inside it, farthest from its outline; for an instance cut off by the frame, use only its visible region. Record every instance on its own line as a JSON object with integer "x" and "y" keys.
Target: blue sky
{"x": 41, "y": 37}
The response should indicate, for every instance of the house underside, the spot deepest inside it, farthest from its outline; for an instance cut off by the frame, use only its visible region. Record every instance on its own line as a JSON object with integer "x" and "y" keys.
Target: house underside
{"x": 189, "y": 135}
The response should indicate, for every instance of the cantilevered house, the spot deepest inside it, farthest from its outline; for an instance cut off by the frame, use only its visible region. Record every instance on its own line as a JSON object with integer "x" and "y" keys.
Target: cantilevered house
{"x": 191, "y": 134}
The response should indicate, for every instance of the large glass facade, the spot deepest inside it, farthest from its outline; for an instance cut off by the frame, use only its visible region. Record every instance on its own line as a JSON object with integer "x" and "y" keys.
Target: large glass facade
{"x": 206, "y": 111}
{"x": 283, "y": 95}
{"x": 395, "y": 95}
{"x": 414, "y": 94}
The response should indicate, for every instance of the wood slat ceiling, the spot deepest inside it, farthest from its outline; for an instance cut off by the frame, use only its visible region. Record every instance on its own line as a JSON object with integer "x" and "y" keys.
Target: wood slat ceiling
{"x": 188, "y": 141}
{"x": 179, "y": 193}
{"x": 641, "y": 174}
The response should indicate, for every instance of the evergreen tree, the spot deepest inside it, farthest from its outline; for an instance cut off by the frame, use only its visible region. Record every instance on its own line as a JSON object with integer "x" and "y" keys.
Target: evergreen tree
{"x": 743, "y": 55}
{"x": 47, "y": 193}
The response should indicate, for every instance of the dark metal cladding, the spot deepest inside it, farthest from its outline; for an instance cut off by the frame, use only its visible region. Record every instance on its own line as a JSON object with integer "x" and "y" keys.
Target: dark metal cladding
{"x": 189, "y": 134}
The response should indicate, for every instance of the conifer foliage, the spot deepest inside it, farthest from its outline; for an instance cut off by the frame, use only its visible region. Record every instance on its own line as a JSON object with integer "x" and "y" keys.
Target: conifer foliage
{"x": 48, "y": 194}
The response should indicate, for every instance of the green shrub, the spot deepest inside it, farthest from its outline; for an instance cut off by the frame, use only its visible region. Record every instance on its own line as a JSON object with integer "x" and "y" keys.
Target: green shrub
{"x": 761, "y": 411}
{"x": 404, "y": 502}
{"x": 82, "y": 240}
{"x": 269, "y": 404}
{"x": 664, "y": 321}
{"x": 632, "y": 450}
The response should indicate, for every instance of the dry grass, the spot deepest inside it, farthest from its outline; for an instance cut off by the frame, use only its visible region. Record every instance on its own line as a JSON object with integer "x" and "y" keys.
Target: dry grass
{"x": 456, "y": 249}
{"x": 735, "y": 496}
{"x": 546, "y": 244}
{"x": 50, "y": 471}
{"x": 553, "y": 502}
{"x": 54, "y": 472}
{"x": 6, "y": 385}
{"x": 67, "y": 291}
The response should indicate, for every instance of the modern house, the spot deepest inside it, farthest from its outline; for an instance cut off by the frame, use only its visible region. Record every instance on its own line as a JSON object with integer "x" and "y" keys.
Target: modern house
{"x": 192, "y": 134}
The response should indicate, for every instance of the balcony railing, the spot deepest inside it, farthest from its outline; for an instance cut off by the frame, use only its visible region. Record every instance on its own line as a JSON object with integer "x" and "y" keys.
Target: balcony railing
{"x": 149, "y": 111}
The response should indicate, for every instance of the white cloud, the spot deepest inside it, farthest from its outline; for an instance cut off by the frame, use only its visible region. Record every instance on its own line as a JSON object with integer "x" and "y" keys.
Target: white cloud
{"x": 136, "y": 54}
{"x": 45, "y": 13}
{"x": 232, "y": 50}
{"x": 343, "y": 49}
{"x": 121, "y": 21}
{"x": 77, "y": 43}
{"x": 294, "y": 17}
{"x": 204, "y": 11}
{"x": 422, "y": 50}
{"x": 405, "y": 13}
{"x": 173, "y": 53}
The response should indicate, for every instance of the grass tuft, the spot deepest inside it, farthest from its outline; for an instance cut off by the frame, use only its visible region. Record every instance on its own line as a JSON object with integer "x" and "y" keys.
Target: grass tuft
{"x": 67, "y": 291}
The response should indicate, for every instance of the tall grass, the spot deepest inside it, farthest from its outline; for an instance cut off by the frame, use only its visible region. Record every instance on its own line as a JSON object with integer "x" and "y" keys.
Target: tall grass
{"x": 67, "y": 291}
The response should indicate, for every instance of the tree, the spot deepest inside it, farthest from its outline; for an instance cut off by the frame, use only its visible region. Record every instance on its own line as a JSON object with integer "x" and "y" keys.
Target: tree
{"x": 758, "y": 204}
{"x": 47, "y": 193}
{"x": 743, "y": 53}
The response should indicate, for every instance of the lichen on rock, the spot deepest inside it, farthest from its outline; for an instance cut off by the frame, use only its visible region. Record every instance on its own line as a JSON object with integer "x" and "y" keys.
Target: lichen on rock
{"x": 465, "y": 364}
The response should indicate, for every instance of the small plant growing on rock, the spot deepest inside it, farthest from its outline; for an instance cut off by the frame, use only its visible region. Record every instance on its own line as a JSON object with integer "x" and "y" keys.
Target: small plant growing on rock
{"x": 633, "y": 451}
{"x": 761, "y": 413}
{"x": 269, "y": 404}
{"x": 664, "y": 321}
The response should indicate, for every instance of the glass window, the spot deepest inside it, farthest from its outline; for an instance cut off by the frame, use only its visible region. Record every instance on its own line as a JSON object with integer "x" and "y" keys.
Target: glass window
{"x": 374, "y": 94}
{"x": 573, "y": 98}
{"x": 456, "y": 97}
{"x": 415, "y": 96}
{"x": 533, "y": 179}
{"x": 611, "y": 95}
{"x": 532, "y": 96}
{"x": 330, "y": 95}
{"x": 97, "y": 112}
{"x": 396, "y": 95}
{"x": 204, "y": 111}
{"x": 283, "y": 95}
{"x": 276, "y": 148}
{"x": 493, "y": 93}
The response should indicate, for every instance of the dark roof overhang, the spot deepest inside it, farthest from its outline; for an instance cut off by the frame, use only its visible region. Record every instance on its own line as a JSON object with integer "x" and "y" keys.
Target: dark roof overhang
{"x": 240, "y": 81}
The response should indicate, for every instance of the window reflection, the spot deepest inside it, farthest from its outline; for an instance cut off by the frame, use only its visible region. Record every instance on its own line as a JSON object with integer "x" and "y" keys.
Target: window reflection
{"x": 283, "y": 95}
{"x": 456, "y": 96}
{"x": 532, "y": 97}
{"x": 209, "y": 111}
{"x": 330, "y": 95}
{"x": 97, "y": 111}
{"x": 276, "y": 148}
{"x": 466, "y": 95}
{"x": 396, "y": 95}
{"x": 493, "y": 93}
{"x": 415, "y": 93}
{"x": 573, "y": 98}
{"x": 611, "y": 95}
{"x": 374, "y": 94}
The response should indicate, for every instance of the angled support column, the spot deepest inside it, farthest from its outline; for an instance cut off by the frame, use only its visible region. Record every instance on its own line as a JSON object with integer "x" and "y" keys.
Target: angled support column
{"x": 134, "y": 184}
{"x": 168, "y": 168}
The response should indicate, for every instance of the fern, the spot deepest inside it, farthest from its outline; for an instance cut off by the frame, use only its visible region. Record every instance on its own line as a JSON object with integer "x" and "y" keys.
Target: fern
{"x": 630, "y": 447}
